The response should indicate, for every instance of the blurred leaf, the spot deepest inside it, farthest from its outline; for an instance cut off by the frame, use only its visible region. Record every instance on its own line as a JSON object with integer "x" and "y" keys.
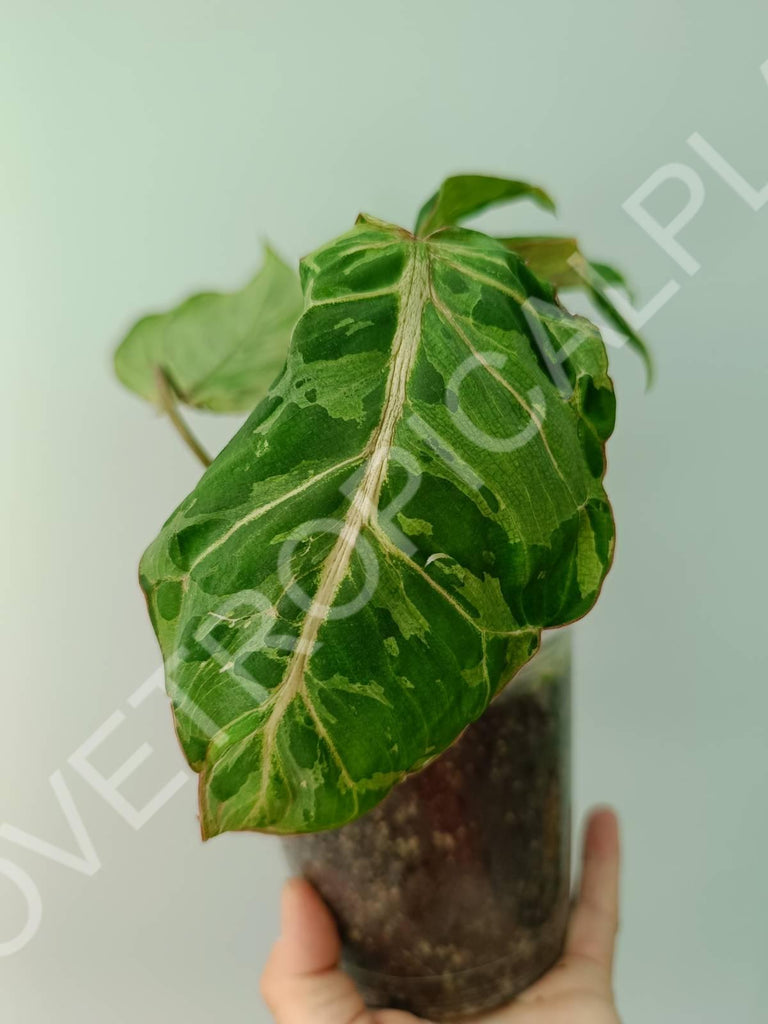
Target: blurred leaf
{"x": 548, "y": 256}
{"x": 463, "y": 195}
{"x": 615, "y": 318}
{"x": 613, "y": 277}
{"x": 219, "y": 351}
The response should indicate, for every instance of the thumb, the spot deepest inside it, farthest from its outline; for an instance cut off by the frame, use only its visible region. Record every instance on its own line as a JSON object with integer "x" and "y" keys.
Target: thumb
{"x": 302, "y": 983}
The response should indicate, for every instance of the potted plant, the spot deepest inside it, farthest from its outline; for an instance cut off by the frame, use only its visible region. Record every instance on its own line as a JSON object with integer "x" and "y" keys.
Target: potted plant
{"x": 351, "y": 600}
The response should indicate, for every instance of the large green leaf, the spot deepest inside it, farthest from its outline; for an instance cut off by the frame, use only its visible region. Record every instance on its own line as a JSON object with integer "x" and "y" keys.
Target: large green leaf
{"x": 218, "y": 351}
{"x": 376, "y": 551}
{"x": 561, "y": 262}
{"x": 463, "y": 195}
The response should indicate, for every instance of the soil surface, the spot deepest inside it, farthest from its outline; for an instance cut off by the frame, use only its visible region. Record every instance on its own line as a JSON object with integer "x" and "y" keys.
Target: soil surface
{"x": 452, "y": 895}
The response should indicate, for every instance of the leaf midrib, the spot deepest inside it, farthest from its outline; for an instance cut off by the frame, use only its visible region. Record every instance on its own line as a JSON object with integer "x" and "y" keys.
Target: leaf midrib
{"x": 415, "y": 290}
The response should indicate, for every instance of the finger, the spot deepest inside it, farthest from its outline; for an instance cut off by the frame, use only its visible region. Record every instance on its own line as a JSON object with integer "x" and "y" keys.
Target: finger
{"x": 309, "y": 937}
{"x": 595, "y": 919}
{"x": 302, "y": 983}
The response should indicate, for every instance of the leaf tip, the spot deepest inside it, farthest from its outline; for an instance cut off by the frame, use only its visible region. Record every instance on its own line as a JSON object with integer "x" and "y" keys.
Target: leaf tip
{"x": 650, "y": 372}
{"x": 547, "y": 201}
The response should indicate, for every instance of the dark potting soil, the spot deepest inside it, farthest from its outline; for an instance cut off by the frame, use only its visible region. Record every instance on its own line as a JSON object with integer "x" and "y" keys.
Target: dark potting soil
{"x": 452, "y": 895}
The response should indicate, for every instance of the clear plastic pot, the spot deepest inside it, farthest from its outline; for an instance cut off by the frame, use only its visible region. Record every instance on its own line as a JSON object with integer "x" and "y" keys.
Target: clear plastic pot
{"x": 452, "y": 895}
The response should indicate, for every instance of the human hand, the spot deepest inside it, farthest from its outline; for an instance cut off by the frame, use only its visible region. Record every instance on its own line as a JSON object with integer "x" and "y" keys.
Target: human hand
{"x": 302, "y": 982}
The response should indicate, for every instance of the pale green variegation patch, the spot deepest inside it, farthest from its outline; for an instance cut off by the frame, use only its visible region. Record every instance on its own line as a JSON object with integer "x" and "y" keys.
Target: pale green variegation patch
{"x": 377, "y": 550}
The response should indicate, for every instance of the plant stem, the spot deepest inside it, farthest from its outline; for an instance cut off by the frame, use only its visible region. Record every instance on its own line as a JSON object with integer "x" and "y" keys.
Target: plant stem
{"x": 169, "y": 405}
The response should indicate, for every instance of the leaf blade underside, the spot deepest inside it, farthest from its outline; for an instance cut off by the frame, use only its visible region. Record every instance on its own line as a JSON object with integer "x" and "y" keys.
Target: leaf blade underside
{"x": 415, "y": 418}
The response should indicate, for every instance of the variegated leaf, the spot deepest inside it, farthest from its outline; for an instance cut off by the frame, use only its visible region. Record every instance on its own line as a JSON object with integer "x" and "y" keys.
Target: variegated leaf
{"x": 377, "y": 550}
{"x": 561, "y": 262}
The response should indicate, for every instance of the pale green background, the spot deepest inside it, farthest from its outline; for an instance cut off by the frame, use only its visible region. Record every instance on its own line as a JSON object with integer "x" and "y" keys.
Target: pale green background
{"x": 146, "y": 148}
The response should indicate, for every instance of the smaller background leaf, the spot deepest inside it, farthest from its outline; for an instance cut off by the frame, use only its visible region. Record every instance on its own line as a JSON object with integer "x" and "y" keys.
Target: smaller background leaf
{"x": 463, "y": 195}
{"x": 547, "y": 256}
{"x": 613, "y": 277}
{"x": 220, "y": 351}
